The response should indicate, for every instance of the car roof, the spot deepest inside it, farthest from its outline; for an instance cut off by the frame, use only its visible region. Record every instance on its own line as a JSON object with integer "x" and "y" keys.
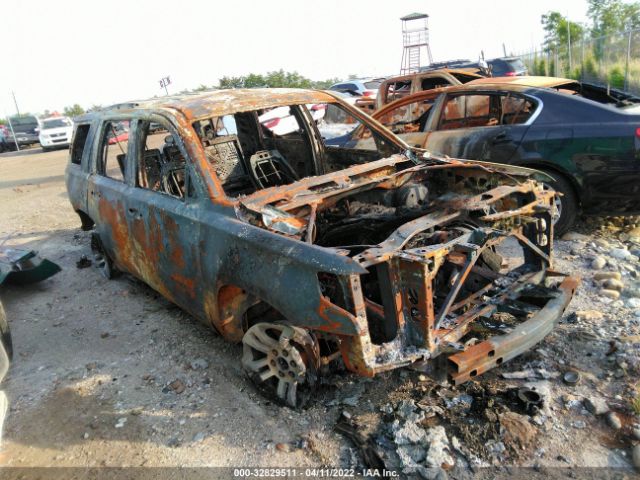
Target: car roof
{"x": 425, "y": 73}
{"x": 525, "y": 81}
{"x": 216, "y": 103}
{"x": 506, "y": 59}
{"x": 55, "y": 118}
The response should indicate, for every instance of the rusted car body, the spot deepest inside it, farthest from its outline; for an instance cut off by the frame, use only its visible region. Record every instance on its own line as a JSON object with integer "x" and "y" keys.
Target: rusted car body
{"x": 394, "y": 88}
{"x": 375, "y": 255}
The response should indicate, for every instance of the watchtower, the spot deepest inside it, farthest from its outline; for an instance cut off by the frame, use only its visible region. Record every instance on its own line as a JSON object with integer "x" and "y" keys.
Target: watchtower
{"x": 416, "y": 51}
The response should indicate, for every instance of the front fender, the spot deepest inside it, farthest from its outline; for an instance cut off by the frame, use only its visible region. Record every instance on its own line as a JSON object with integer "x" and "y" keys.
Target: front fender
{"x": 281, "y": 271}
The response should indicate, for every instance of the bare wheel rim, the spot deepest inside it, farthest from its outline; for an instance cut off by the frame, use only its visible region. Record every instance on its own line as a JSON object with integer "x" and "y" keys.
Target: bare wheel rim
{"x": 104, "y": 265}
{"x": 557, "y": 202}
{"x": 282, "y": 360}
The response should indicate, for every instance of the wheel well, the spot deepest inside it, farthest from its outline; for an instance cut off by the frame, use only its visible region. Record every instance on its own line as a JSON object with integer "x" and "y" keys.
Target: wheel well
{"x": 557, "y": 171}
{"x": 238, "y": 310}
{"x": 87, "y": 221}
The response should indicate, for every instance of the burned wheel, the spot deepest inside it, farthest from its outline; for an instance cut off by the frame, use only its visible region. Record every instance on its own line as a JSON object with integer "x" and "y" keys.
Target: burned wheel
{"x": 102, "y": 259}
{"x": 283, "y": 361}
{"x": 105, "y": 265}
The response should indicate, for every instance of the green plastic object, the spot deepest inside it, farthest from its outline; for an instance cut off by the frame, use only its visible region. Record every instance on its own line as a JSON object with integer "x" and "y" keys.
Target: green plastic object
{"x": 21, "y": 267}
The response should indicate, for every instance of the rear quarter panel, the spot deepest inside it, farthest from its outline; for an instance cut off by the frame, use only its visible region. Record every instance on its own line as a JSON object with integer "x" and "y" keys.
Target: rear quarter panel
{"x": 592, "y": 145}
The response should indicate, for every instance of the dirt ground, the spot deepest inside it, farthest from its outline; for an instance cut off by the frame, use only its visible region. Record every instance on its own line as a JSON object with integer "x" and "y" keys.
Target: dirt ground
{"x": 94, "y": 359}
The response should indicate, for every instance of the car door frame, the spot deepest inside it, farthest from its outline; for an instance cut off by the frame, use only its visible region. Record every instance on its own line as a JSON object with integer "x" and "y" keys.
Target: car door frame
{"x": 106, "y": 198}
{"x": 77, "y": 175}
{"x": 165, "y": 230}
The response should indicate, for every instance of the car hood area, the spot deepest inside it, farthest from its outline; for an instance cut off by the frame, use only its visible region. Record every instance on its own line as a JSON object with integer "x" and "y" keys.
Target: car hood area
{"x": 287, "y": 209}
{"x": 426, "y": 243}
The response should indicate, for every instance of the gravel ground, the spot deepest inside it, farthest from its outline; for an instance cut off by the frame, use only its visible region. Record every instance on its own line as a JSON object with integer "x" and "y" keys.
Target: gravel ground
{"x": 107, "y": 373}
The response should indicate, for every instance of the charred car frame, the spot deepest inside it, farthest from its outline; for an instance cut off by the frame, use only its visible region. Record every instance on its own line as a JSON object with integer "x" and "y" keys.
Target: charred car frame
{"x": 370, "y": 253}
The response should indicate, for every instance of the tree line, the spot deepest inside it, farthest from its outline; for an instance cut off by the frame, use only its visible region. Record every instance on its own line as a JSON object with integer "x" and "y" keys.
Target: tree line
{"x": 606, "y": 17}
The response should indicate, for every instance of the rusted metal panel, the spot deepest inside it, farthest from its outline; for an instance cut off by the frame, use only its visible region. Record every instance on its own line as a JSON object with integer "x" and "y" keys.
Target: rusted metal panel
{"x": 486, "y": 355}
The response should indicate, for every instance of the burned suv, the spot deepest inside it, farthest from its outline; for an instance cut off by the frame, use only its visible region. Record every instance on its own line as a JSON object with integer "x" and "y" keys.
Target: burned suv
{"x": 369, "y": 254}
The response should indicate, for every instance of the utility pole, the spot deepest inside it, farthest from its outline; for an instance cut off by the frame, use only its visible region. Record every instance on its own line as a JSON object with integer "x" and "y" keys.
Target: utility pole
{"x": 13, "y": 134}
{"x": 15, "y": 102}
{"x": 626, "y": 66}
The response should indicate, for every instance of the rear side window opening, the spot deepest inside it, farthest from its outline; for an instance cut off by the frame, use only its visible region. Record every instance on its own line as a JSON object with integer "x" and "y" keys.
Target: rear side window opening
{"x": 485, "y": 110}
{"x": 113, "y": 149}
{"x": 79, "y": 143}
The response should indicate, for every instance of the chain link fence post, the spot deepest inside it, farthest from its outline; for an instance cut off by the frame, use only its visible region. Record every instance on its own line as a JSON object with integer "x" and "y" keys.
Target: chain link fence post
{"x": 626, "y": 67}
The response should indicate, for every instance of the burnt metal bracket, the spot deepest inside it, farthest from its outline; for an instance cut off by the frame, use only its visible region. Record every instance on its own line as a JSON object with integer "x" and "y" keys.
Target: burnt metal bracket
{"x": 472, "y": 252}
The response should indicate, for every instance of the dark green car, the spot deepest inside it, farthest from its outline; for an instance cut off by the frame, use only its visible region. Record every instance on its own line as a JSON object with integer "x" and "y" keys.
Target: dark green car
{"x": 585, "y": 137}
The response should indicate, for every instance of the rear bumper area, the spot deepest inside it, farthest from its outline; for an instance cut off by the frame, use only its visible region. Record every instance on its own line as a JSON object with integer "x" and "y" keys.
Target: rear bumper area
{"x": 493, "y": 351}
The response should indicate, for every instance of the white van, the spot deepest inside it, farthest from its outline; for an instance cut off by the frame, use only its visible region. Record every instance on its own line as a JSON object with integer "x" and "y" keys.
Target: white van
{"x": 55, "y": 132}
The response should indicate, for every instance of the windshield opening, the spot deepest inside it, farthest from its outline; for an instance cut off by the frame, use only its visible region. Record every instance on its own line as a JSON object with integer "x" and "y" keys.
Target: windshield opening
{"x": 55, "y": 123}
{"x": 271, "y": 147}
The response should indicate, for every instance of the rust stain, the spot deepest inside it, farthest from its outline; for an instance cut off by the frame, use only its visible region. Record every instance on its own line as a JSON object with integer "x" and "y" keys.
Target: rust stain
{"x": 185, "y": 284}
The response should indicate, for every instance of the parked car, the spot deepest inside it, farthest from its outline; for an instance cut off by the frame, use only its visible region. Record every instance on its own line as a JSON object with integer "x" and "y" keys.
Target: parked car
{"x": 25, "y": 128}
{"x": 119, "y": 132}
{"x": 507, "y": 67}
{"x": 366, "y": 87}
{"x": 588, "y": 146}
{"x": 282, "y": 120}
{"x": 4, "y": 146}
{"x": 394, "y": 88}
{"x": 55, "y": 132}
{"x": 309, "y": 253}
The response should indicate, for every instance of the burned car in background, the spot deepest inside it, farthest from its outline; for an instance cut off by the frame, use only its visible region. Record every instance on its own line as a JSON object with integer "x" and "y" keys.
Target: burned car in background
{"x": 394, "y": 88}
{"x": 371, "y": 254}
{"x": 586, "y": 138}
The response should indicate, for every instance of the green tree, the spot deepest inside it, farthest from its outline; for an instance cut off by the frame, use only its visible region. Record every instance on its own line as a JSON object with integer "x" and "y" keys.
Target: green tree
{"x": 324, "y": 84}
{"x": 254, "y": 81}
{"x": 274, "y": 79}
{"x": 231, "y": 82}
{"x": 73, "y": 111}
{"x": 612, "y": 16}
{"x": 557, "y": 30}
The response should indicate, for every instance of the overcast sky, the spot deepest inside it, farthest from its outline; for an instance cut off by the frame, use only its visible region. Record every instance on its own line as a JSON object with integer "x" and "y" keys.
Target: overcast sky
{"x": 56, "y": 53}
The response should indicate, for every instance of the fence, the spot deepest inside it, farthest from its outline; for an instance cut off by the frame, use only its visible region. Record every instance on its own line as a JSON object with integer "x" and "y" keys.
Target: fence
{"x": 612, "y": 60}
